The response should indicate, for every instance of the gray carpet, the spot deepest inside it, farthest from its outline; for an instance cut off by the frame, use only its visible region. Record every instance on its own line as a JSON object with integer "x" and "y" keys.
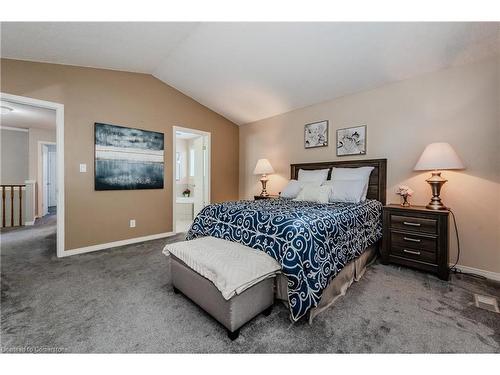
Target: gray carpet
{"x": 120, "y": 300}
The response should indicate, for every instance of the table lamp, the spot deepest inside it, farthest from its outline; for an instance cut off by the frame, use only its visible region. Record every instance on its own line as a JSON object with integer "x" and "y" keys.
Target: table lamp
{"x": 264, "y": 168}
{"x": 436, "y": 157}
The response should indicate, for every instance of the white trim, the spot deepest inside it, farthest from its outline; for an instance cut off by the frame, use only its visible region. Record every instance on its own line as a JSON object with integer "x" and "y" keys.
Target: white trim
{"x": 104, "y": 246}
{"x": 59, "y": 108}
{"x": 209, "y": 166}
{"x": 29, "y": 223}
{"x": 488, "y": 274}
{"x": 15, "y": 129}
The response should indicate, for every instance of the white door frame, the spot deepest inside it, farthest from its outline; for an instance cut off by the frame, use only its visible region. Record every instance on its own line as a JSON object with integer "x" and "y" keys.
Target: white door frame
{"x": 39, "y": 172}
{"x": 209, "y": 172}
{"x": 59, "y": 108}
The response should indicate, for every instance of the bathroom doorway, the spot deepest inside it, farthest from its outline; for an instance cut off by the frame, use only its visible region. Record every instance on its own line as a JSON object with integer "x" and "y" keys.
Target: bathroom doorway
{"x": 191, "y": 176}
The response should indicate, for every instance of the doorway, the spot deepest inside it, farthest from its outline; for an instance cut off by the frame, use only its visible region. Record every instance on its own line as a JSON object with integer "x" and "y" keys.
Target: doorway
{"x": 49, "y": 178}
{"x": 191, "y": 175}
{"x": 57, "y": 195}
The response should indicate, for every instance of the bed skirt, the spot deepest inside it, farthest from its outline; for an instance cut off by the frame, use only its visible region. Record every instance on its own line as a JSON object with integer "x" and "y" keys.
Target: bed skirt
{"x": 353, "y": 271}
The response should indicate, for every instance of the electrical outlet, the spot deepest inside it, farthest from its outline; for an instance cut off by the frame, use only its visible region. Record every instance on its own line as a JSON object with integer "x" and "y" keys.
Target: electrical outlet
{"x": 83, "y": 168}
{"x": 132, "y": 223}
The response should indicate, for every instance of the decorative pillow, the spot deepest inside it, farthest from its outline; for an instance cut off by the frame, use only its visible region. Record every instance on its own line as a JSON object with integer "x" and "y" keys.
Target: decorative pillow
{"x": 330, "y": 184}
{"x": 352, "y": 191}
{"x": 318, "y": 175}
{"x": 361, "y": 173}
{"x": 311, "y": 193}
{"x": 292, "y": 189}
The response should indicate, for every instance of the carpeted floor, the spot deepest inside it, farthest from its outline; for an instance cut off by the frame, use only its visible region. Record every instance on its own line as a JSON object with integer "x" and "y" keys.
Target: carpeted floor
{"x": 120, "y": 300}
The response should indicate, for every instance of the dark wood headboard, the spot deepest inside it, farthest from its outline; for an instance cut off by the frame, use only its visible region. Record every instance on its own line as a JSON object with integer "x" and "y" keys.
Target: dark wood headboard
{"x": 378, "y": 177}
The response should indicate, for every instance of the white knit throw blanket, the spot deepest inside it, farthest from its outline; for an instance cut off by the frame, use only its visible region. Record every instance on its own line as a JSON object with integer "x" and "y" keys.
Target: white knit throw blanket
{"x": 232, "y": 267}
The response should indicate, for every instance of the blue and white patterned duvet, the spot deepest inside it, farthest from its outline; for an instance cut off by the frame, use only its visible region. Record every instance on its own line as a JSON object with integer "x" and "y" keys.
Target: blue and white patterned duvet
{"x": 311, "y": 241}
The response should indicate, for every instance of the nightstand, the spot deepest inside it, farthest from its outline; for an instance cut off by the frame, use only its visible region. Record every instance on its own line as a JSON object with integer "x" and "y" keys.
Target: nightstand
{"x": 257, "y": 197}
{"x": 416, "y": 237}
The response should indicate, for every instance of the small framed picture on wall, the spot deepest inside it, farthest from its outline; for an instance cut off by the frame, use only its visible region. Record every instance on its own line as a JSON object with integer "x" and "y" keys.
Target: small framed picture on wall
{"x": 351, "y": 141}
{"x": 316, "y": 134}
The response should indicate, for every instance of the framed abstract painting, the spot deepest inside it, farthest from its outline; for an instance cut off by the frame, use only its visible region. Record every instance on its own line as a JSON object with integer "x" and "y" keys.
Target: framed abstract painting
{"x": 351, "y": 141}
{"x": 316, "y": 134}
{"x": 127, "y": 158}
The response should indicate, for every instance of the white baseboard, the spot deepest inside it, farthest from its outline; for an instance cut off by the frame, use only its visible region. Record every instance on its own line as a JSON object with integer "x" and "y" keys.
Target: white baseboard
{"x": 488, "y": 274}
{"x": 109, "y": 245}
{"x": 29, "y": 223}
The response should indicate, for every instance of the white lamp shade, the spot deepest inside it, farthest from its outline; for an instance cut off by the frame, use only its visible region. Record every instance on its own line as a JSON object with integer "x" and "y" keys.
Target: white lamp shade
{"x": 263, "y": 167}
{"x": 438, "y": 156}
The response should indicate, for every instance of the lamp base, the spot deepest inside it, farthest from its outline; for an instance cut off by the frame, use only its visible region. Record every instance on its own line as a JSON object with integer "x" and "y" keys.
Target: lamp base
{"x": 436, "y": 206}
{"x": 263, "y": 181}
{"x": 436, "y": 182}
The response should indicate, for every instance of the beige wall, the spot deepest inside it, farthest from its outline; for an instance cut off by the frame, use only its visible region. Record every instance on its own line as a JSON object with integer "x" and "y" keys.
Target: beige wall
{"x": 36, "y": 135}
{"x": 129, "y": 99}
{"x": 458, "y": 105}
{"x": 14, "y": 155}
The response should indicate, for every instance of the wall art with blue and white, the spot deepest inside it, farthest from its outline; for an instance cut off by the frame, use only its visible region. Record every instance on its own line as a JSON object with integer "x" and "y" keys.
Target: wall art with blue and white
{"x": 127, "y": 158}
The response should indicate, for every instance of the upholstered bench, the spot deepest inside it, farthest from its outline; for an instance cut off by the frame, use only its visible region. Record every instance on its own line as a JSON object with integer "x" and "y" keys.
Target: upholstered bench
{"x": 231, "y": 282}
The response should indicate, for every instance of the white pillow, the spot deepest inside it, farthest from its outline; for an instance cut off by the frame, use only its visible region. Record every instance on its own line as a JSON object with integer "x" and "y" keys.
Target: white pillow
{"x": 361, "y": 173}
{"x": 330, "y": 184}
{"x": 347, "y": 191}
{"x": 318, "y": 175}
{"x": 311, "y": 193}
{"x": 292, "y": 189}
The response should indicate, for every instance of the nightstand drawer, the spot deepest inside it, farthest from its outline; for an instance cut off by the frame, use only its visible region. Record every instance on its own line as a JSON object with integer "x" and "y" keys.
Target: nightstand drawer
{"x": 413, "y": 241}
{"x": 413, "y": 223}
{"x": 416, "y": 237}
{"x": 421, "y": 255}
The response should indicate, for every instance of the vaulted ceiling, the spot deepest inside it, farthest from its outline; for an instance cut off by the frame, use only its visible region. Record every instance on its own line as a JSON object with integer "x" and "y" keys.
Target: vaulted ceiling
{"x": 250, "y": 71}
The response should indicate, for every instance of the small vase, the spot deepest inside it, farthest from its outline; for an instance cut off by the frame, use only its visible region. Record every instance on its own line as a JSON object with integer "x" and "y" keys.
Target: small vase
{"x": 405, "y": 201}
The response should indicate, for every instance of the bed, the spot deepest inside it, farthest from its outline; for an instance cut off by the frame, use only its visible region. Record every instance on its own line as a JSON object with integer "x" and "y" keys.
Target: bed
{"x": 322, "y": 248}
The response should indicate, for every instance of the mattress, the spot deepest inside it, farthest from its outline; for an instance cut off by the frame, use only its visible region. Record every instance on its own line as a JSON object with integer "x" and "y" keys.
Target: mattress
{"x": 312, "y": 242}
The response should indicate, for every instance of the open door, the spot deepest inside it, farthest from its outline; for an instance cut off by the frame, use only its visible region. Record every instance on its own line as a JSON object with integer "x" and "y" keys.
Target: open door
{"x": 206, "y": 179}
{"x": 191, "y": 172}
{"x": 198, "y": 193}
{"x": 49, "y": 178}
{"x": 52, "y": 177}
{"x": 45, "y": 179}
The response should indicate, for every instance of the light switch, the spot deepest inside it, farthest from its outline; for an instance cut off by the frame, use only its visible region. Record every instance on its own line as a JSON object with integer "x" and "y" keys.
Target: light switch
{"x": 132, "y": 223}
{"x": 83, "y": 168}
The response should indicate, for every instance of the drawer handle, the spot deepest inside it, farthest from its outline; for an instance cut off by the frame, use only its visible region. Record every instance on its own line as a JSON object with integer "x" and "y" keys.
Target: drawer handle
{"x": 411, "y": 252}
{"x": 411, "y": 224}
{"x": 411, "y": 239}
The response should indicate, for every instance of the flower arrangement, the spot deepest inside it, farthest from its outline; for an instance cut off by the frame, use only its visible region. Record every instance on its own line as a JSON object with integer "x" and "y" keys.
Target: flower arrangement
{"x": 186, "y": 193}
{"x": 405, "y": 192}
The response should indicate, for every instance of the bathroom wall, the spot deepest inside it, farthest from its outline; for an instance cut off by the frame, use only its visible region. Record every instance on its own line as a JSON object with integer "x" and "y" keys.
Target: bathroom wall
{"x": 182, "y": 149}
